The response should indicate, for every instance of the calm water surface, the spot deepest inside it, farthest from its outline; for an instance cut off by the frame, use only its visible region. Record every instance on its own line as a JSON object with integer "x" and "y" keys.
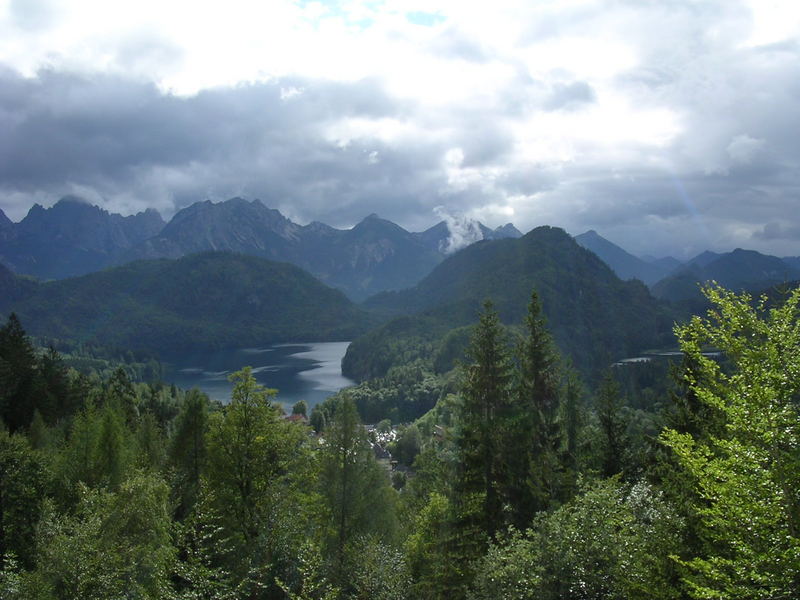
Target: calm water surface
{"x": 308, "y": 371}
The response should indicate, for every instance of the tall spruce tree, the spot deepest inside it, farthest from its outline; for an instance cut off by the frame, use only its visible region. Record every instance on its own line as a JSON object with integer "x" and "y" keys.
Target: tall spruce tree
{"x": 187, "y": 452}
{"x": 479, "y": 439}
{"x": 534, "y": 462}
{"x": 17, "y": 376}
{"x": 613, "y": 436}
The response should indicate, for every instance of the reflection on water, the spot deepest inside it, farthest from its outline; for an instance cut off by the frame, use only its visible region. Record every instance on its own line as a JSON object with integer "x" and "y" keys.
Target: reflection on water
{"x": 310, "y": 371}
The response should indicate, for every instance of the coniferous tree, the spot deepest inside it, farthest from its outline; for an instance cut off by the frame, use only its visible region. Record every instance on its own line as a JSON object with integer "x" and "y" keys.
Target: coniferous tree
{"x": 17, "y": 376}
{"x": 613, "y": 438}
{"x": 243, "y": 452}
{"x": 112, "y": 452}
{"x": 536, "y": 473}
{"x": 22, "y": 482}
{"x": 478, "y": 484}
{"x": 571, "y": 420}
{"x": 120, "y": 390}
{"x": 188, "y": 449}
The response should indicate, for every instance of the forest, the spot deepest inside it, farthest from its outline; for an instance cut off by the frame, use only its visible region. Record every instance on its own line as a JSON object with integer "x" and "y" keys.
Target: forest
{"x": 512, "y": 476}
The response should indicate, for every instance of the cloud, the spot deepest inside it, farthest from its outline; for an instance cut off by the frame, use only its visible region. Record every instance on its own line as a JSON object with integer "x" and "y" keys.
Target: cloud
{"x": 463, "y": 231}
{"x": 777, "y": 231}
{"x": 743, "y": 149}
{"x": 662, "y": 124}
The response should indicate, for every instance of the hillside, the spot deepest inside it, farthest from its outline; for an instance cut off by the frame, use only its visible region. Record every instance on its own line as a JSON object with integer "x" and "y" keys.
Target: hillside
{"x": 208, "y": 300}
{"x": 595, "y": 317}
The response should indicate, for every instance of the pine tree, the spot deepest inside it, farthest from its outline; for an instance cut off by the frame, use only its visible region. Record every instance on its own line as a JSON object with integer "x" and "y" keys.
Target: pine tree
{"x": 243, "y": 452}
{"x": 571, "y": 421}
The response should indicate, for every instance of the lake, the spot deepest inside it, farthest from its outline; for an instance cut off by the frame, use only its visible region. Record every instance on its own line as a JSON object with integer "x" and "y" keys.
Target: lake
{"x": 308, "y": 371}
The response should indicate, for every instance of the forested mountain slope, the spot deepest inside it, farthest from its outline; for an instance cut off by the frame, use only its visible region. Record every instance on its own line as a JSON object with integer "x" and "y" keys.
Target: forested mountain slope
{"x": 207, "y": 300}
{"x": 595, "y": 317}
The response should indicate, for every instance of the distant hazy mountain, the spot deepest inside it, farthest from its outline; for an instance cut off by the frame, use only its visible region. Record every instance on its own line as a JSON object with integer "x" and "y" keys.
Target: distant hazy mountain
{"x": 668, "y": 263}
{"x": 206, "y": 301}
{"x": 72, "y": 238}
{"x": 738, "y": 270}
{"x": 704, "y": 259}
{"x": 595, "y": 317}
{"x": 624, "y": 264}
{"x": 792, "y": 261}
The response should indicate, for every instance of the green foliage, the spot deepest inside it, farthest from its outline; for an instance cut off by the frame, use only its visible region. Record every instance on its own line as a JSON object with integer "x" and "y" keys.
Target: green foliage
{"x": 405, "y": 393}
{"x": 381, "y": 574}
{"x": 535, "y": 476}
{"x": 355, "y": 490}
{"x": 746, "y": 473}
{"x": 114, "y": 545}
{"x": 18, "y": 395}
{"x": 244, "y": 453}
{"x": 22, "y": 483}
{"x": 187, "y": 452}
{"x": 300, "y": 408}
{"x": 612, "y": 541}
{"x": 436, "y": 569}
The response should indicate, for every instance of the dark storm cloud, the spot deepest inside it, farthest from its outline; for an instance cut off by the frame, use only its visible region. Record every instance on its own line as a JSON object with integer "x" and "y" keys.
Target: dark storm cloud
{"x": 116, "y": 136}
{"x": 777, "y": 231}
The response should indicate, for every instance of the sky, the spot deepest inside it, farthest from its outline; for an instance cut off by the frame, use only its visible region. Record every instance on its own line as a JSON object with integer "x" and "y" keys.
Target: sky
{"x": 669, "y": 126}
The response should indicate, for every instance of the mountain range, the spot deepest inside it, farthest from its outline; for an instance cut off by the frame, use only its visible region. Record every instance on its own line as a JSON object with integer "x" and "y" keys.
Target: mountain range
{"x": 74, "y": 238}
{"x": 71, "y": 238}
{"x": 677, "y": 282}
{"x": 740, "y": 270}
